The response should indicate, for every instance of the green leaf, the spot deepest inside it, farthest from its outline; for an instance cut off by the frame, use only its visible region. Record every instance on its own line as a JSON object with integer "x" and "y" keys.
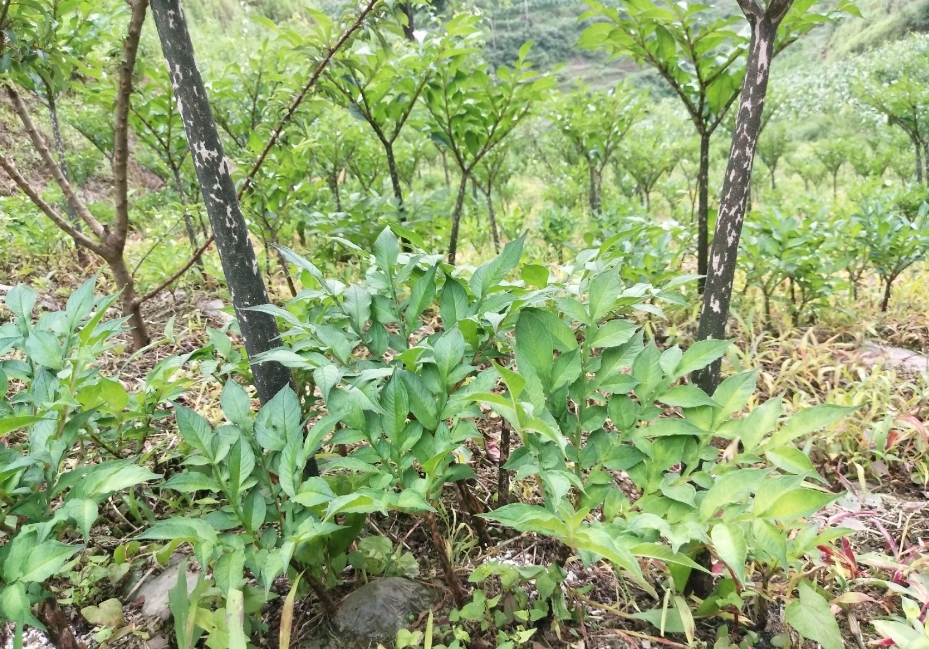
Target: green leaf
{"x": 730, "y": 546}
{"x": 228, "y": 570}
{"x": 771, "y": 540}
{"x": 790, "y": 460}
{"x": 421, "y": 296}
{"x": 236, "y": 405}
{"x": 386, "y": 251}
{"x": 488, "y": 276}
{"x": 396, "y": 406}
{"x": 194, "y": 429}
{"x": 191, "y": 481}
{"x": 356, "y": 304}
{"x": 241, "y": 461}
{"x": 235, "y": 619}
{"x": 731, "y": 488}
{"x": 44, "y": 349}
{"x": 604, "y": 291}
{"x": 45, "y": 561}
{"x": 448, "y": 351}
{"x": 529, "y": 518}
{"x": 798, "y": 503}
{"x": 15, "y": 606}
{"x": 81, "y": 302}
{"x": 279, "y": 420}
{"x": 613, "y": 334}
{"x": 699, "y": 355}
{"x": 422, "y": 401}
{"x": 686, "y": 396}
{"x": 759, "y": 423}
{"x": 84, "y": 512}
{"x": 21, "y": 300}
{"x": 535, "y": 275}
{"x": 9, "y": 424}
{"x": 181, "y": 528}
{"x": 809, "y": 420}
{"x": 811, "y": 616}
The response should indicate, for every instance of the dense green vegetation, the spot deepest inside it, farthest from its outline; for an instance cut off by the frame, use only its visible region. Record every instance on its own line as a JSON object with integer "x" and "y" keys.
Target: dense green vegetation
{"x": 497, "y": 322}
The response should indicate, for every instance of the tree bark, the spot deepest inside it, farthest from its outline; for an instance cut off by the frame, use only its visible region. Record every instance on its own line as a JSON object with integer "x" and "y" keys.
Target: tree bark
{"x": 456, "y": 217}
{"x": 926, "y": 161}
{"x": 240, "y": 266}
{"x": 188, "y": 220}
{"x": 594, "y": 192}
{"x": 885, "y": 301}
{"x": 493, "y": 218}
{"x": 736, "y": 184}
{"x": 703, "y": 210}
{"x": 919, "y": 161}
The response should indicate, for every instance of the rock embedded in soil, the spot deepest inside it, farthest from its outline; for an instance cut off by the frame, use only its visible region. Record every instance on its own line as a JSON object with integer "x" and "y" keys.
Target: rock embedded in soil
{"x": 380, "y": 608}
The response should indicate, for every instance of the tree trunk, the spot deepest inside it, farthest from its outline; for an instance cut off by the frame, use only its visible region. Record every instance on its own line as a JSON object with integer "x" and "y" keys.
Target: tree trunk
{"x": 493, "y": 218}
{"x": 394, "y": 178}
{"x": 240, "y": 266}
{"x": 126, "y": 286}
{"x": 737, "y": 180}
{"x": 448, "y": 181}
{"x": 456, "y": 216}
{"x": 885, "y": 301}
{"x": 333, "y": 180}
{"x": 593, "y": 195}
{"x": 773, "y": 170}
{"x": 835, "y": 184}
{"x": 703, "y": 210}
{"x": 926, "y": 161}
{"x": 919, "y": 161}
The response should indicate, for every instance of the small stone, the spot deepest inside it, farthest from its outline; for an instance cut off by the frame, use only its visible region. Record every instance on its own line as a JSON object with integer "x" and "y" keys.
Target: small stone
{"x": 154, "y": 592}
{"x": 380, "y": 608}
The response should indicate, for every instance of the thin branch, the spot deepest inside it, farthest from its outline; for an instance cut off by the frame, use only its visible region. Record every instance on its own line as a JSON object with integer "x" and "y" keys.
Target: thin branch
{"x": 10, "y": 168}
{"x": 302, "y": 94}
{"x": 175, "y": 276}
{"x": 121, "y": 126}
{"x": 51, "y": 165}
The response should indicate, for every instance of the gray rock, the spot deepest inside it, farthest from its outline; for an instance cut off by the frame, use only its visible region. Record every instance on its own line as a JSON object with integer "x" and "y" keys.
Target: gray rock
{"x": 380, "y": 608}
{"x": 153, "y": 592}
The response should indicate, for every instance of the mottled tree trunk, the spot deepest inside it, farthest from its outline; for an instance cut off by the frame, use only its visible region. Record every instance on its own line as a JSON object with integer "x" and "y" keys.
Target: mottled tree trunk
{"x": 703, "y": 209}
{"x": 736, "y": 184}
{"x": 188, "y": 220}
{"x": 240, "y": 265}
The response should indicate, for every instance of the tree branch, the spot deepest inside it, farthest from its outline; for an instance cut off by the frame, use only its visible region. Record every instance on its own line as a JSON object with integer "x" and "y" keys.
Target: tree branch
{"x": 302, "y": 94}
{"x": 121, "y": 126}
{"x": 51, "y": 165}
{"x": 752, "y": 9}
{"x": 10, "y": 168}
{"x": 176, "y": 275}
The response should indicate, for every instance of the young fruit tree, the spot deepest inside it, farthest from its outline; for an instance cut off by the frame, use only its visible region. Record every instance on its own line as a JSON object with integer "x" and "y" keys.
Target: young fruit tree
{"x": 473, "y": 110}
{"x": 764, "y": 20}
{"x": 700, "y": 60}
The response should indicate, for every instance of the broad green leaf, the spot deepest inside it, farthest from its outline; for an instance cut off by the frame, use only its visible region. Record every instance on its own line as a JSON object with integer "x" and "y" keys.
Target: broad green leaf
{"x": 790, "y": 460}
{"x": 236, "y": 405}
{"x": 604, "y": 291}
{"x": 535, "y": 275}
{"x": 699, "y": 355}
{"x": 686, "y": 396}
{"x": 15, "y": 605}
{"x": 807, "y": 421}
{"x": 84, "y": 512}
{"x": 529, "y": 518}
{"x": 396, "y": 406}
{"x": 771, "y": 540}
{"x": 191, "y": 481}
{"x": 613, "y": 334}
{"x": 731, "y": 488}
{"x": 194, "y": 429}
{"x": 386, "y": 251}
{"x": 21, "y": 300}
{"x": 356, "y": 304}
{"x": 44, "y": 349}
{"x": 730, "y": 546}
{"x": 228, "y": 570}
{"x": 811, "y": 616}
{"x": 235, "y": 619}
{"x": 9, "y": 424}
{"x": 759, "y": 423}
{"x": 179, "y": 527}
{"x": 108, "y": 613}
{"x": 45, "y": 561}
{"x": 798, "y": 503}
{"x": 421, "y": 296}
